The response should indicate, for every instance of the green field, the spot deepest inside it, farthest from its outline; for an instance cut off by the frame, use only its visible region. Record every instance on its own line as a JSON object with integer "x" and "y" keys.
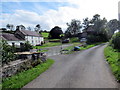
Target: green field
{"x": 21, "y": 79}
{"x": 45, "y": 34}
{"x": 113, "y": 58}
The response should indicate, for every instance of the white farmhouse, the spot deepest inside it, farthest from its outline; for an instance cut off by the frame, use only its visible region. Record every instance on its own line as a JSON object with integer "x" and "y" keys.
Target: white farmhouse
{"x": 12, "y": 39}
{"x": 33, "y": 37}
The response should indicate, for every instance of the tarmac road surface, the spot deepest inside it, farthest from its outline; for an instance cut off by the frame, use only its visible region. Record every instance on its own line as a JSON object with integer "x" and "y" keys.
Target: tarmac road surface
{"x": 83, "y": 69}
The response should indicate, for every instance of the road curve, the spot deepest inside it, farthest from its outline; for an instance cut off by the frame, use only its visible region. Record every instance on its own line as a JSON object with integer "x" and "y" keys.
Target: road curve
{"x": 84, "y": 69}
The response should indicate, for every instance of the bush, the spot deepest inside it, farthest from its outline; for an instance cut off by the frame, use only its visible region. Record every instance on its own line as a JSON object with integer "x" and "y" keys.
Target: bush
{"x": 96, "y": 38}
{"x": 26, "y": 46}
{"x": 7, "y": 52}
{"x": 115, "y": 41}
{"x": 74, "y": 39}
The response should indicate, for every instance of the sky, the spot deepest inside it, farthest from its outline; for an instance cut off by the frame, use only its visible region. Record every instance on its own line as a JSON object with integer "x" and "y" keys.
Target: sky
{"x": 50, "y": 13}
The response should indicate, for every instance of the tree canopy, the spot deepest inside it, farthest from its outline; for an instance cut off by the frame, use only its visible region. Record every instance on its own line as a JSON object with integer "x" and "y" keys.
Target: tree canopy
{"x": 73, "y": 28}
{"x": 55, "y": 33}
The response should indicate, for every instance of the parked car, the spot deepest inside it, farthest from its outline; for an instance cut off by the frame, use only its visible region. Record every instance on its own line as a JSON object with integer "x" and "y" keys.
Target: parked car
{"x": 83, "y": 40}
{"x": 66, "y": 40}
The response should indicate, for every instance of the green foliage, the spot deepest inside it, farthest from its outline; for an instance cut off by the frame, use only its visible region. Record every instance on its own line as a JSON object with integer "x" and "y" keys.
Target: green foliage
{"x": 113, "y": 25}
{"x": 27, "y": 46}
{"x": 97, "y": 32}
{"x": 70, "y": 48}
{"x": 96, "y": 38}
{"x": 74, "y": 39}
{"x": 113, "y": 59}
{"x": 73, "y": 28}
{"x": 21, "y": 79}
{"x": 7, "y": 52}
{"x": 115, "y": 41}
{"x": 55, "y": 33}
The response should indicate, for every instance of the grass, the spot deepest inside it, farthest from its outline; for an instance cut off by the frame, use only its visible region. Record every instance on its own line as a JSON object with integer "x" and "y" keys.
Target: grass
{"x": 49, "y": 44}
{"x": 45, "y": 34}
{"x": 113, "y": 58}
{"x": 74, "y": 39}
{"x": 21, "y": 79}
{"x": 70, "y": 48}
{"x": 43, "y": 50}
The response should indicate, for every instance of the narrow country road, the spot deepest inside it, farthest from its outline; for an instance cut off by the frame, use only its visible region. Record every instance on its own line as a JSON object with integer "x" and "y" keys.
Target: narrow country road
{"x": 84, "y": 69}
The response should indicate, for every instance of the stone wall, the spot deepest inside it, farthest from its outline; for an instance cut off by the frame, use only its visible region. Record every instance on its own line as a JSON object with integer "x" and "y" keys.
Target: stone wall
{"x": 19, "y": 65}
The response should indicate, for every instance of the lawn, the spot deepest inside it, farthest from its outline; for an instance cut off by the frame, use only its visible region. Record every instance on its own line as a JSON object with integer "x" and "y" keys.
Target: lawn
{"x": 21, "y": 79}
{"x": 45, "y": 34}
{"x": 49, "y": 44}
{"x": 113, "y": 58}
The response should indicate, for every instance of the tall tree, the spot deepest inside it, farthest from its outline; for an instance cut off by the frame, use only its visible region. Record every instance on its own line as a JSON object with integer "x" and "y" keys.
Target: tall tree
{"x": 29, "y": 28}
{"x": 73, "y": 28}
{"x": 99, "y": 29}
{"x": 113, "y": 25}
{"x": 10, "y": 26}
{"x": 20, "y": 27}
{"x": 86, "y": 23}
{"x": 55, "y": 32}
{"x": 37, "y": 28}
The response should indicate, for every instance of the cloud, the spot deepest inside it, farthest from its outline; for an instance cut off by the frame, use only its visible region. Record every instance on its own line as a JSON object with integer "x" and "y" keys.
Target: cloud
{"x": 47, "y": 21}
{"x": 77, "y": 9}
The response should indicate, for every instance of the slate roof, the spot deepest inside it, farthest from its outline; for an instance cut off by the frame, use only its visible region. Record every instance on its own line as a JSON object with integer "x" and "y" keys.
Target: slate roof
{"x": 10, "y": 37}
{"x": 30, "y": 33}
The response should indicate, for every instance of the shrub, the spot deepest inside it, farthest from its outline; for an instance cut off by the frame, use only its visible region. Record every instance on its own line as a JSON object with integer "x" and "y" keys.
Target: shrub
{"x": 74, "y": 39}
{"x": 7, "y": 52}
{"x": 115, "y": 41}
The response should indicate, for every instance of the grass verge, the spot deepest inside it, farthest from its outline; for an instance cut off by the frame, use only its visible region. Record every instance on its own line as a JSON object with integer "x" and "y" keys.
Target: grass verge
{"x": 113, "y": 58}
{"x": 21, "y": 79}
{"x": 49, "y": 44}
{"x": 70, "y": 48}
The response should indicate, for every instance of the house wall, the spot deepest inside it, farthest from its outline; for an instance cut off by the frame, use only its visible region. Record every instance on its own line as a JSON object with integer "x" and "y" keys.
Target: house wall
{"x": 33, "y": 40}
{"x": 15, "y": 42}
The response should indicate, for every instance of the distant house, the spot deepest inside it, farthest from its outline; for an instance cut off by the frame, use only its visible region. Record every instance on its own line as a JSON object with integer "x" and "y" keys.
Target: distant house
{"x": 12, "y": 39}
{"x": 33, "y": 37}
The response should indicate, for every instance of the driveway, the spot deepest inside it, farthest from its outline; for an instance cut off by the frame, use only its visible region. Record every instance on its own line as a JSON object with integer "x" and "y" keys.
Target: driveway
{"x": 84, "y": 69}
{"x": 56, "y": 49}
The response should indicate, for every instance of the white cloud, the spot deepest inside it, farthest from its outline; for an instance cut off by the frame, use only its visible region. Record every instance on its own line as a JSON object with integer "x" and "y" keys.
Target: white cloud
{"x": 51, "y": 18}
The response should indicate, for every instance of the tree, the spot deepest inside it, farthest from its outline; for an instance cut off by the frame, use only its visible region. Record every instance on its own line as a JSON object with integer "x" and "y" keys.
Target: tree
{"x": 10, "y": 26}
{"x": 20, "y": 27}
{"x": 73, "y": 28}
{"x": 99, "y": 31}
{"x": 55, "y": 33}
{"x": 113, "y": 25}
{"x": 29, "y": 28}
{"x": 37, "y": 28}
{"x": 86, "y": 23}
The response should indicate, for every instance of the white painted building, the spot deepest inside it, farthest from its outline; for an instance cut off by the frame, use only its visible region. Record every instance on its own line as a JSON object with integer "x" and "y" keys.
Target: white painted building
{"x": 12, "y": 39}
{"x": 33, "y": 37}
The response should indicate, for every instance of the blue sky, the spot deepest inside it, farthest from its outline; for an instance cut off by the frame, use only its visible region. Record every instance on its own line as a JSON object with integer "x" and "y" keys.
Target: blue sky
{"x": 49, "y": 14}
{"x": 10, "y": 7}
